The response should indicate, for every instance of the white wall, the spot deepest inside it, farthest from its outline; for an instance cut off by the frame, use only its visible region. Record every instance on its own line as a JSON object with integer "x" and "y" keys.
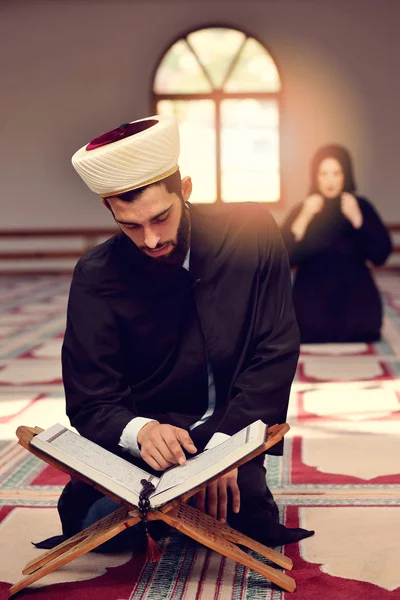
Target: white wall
{"x": 73, "y": 69}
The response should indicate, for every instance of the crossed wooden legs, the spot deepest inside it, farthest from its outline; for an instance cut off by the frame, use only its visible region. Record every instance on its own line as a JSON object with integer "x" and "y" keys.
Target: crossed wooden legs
{"x": 223, "y": 539}
{"x": 186, "y": 519}
{"x": 79, "y": 544}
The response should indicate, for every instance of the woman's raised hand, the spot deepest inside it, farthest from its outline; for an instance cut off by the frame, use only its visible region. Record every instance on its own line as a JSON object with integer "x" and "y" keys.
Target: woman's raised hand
{"x": 313, "y": 204}
{"x": 351, "y": 209}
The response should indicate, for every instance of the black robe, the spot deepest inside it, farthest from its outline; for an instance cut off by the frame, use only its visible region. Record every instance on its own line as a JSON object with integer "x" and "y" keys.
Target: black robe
{"x": 139, "y": 333}
{"x": 335, "y": 297}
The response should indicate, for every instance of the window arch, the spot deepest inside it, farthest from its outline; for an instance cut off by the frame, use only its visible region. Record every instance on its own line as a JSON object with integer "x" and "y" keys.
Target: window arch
{"x": 225, "y": 90}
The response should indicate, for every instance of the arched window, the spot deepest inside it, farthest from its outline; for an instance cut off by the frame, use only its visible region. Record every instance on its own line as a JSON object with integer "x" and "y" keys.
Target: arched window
{"x": 224, "y": 88}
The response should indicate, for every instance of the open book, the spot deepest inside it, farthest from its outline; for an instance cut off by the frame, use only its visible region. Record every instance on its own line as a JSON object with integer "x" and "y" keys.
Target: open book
{"x": 122, "y": 478}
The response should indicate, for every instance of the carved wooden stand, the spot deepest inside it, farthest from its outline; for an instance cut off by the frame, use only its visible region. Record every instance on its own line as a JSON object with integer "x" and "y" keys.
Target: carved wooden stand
{"x": 197, "y": 525}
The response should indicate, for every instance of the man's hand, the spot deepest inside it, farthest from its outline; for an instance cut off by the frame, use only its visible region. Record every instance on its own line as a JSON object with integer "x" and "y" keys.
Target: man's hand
{"x": 161, "y": 445}
{"x": 351, "y": 209}
{"x": 217, "y": 496}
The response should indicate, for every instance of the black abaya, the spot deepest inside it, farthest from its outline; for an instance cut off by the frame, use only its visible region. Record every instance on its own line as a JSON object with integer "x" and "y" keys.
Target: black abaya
{"x": 335, "y": 296}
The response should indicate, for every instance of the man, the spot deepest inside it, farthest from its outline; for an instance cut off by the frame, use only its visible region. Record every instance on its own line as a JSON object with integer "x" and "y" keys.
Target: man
{"x": 180, "y": 329}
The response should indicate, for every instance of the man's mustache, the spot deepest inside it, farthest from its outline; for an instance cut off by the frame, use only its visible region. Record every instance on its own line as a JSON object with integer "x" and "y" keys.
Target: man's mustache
{"x": 159, "y": 246}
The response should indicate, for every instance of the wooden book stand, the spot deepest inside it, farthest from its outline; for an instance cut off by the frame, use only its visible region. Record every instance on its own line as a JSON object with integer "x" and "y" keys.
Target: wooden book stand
{"x": 190, "y": 521}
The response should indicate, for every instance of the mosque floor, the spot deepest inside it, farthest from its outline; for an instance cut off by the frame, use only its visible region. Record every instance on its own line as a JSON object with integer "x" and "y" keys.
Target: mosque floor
{"x": 340, "y": 474}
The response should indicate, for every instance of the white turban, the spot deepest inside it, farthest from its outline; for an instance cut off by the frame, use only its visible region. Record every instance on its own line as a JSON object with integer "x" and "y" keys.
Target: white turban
{"x": 129, "y": 157}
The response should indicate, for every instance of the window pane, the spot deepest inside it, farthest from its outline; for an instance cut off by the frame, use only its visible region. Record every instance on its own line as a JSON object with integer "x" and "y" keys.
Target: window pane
{"x": 196, "y": 120}
{"x": 179, "y": 72}
{"x": 255, "y": 71}
{"x": 216, "y": 48}
{"x": 250, "y": 150}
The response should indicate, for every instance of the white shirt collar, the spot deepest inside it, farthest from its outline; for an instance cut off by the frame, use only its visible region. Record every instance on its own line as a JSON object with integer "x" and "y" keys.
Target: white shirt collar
{"x": 186, "y": 261}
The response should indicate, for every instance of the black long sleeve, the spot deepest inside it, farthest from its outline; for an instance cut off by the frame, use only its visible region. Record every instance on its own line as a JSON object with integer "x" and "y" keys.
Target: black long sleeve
{"x": 262, "y": 386}
{"x": 288, "y": 236}
{"x": 373, "y": 237}
{"x": 316, "y": 239}
{"x": 93, "y": 366}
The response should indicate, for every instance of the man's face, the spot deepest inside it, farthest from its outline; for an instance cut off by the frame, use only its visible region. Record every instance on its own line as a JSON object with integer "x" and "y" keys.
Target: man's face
{"x": 157, "y": 222}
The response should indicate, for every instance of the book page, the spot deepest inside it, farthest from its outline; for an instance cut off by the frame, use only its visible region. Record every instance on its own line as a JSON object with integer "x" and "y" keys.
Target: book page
{"x": 96, "y": 457}
{"x": 194, "y": 466}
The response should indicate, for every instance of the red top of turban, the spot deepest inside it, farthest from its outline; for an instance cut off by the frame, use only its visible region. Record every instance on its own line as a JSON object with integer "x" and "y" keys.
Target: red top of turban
{"x": 122, "y": 132}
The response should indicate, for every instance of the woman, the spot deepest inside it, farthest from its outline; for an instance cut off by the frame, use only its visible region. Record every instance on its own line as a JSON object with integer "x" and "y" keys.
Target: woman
{"x": 330, "y": 237}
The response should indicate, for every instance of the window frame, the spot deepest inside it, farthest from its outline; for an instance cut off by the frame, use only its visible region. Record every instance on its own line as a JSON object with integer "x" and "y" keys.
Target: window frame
{"x": 219, "y": 95}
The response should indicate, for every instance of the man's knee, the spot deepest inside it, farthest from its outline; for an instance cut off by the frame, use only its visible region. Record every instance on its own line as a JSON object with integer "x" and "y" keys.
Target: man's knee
{"x": 73, "y": 505}
{"x": 252, "y": 477}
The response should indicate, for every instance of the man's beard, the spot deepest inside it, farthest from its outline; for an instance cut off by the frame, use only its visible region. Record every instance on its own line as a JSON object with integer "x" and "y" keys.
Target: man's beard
{"x": 178, "y": 253}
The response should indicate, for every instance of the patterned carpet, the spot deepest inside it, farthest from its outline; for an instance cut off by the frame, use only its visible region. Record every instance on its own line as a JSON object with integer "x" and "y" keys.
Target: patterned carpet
{"x": 340, "y": 475}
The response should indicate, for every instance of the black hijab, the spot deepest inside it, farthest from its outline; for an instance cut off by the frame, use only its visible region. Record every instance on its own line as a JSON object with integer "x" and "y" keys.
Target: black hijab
{"x": 343, "y": 157}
